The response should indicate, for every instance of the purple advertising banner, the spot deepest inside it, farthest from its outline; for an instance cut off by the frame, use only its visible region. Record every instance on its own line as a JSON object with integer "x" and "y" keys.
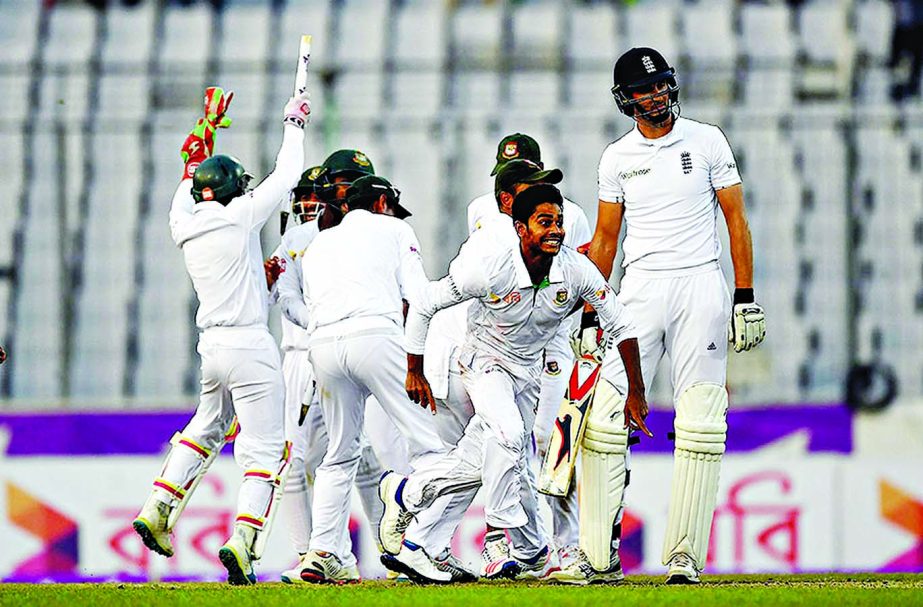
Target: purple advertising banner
{"x": 828, "y": 428}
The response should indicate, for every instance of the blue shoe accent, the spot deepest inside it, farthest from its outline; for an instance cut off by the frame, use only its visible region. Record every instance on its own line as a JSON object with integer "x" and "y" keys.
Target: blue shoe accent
{"x": 399, "y": 494}
{"x": 411, "y": 545}
{"x": 531, "y": 561}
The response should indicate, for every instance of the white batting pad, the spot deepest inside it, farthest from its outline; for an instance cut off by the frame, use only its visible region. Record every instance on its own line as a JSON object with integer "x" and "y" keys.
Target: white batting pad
{"x": 605, "y": 446}
{"x": 701, "y": 431}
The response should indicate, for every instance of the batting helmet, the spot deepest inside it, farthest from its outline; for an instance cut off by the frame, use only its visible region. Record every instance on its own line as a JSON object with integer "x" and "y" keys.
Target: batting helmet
{"x": 637, "y": 71}
{"x": 220, "y": 178}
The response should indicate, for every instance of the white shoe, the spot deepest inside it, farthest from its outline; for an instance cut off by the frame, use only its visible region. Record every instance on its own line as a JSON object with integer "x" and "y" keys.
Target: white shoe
{"x": 151, "y": 525}
{"x": 413, "y": 562}
{"x": 581, "y": 573}
{"x": 293, "y": 576}
{"x": 449, "y": 563}
{"x": 534, "y": 567}
{"x": 496, "y": 562}
{"x": 394, "y": 517}
{"x": 682, "y": 570}
{"x": 567, "y": 555}
{"x": 236, "y": 558}
{"x": 326, "y": 568}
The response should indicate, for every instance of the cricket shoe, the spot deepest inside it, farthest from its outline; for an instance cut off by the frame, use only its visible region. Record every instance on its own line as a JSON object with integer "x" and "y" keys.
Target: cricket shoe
{"x": 496, "y": 562}
{"x": 236, "y": 558}
{"x": 151, "y": 525}
{"x": 581, "y": 573}
{"x": 567, "y": 555}
{"x": 449, "y": 563}
{"x": 293, "y": 576}
{"x": 682, "y": 570}
{"x": 413, "y": 562}
{"x": 394, "y": 517}
{"x": 534, "y": 567}
{"x": 319, "y": 567}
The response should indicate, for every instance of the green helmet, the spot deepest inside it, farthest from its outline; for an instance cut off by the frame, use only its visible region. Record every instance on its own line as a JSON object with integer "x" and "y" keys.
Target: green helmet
{"x": 220, "y": 179}
{"x": 307, "y": 183}
{"x": 350, "y": 164}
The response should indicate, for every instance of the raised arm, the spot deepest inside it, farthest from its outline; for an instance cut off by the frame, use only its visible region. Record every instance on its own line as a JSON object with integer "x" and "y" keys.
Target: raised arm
{"x": 256, "y": 207}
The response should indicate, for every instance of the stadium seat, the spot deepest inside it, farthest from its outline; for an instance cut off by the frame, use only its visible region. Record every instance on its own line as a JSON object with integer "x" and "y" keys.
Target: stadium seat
{"x": 827, "y": 46}
{"x": 476, "y": 36}
{"x": 711, "y": 49}
{"x": 128, "y": 43}
{"x": 361, "y": 43}
{"x": 187, "y": 39}
{"x": 537, "y": 35}
{"x": 421, "y": 37}
{"x": 654, "y": 25}
{"x": 593, "y": 37}
{"x": 19, "y": 23}
{"x": 299, "y": 18}
{"x": 72, "y": 37}
{"x": 247, "y": 52}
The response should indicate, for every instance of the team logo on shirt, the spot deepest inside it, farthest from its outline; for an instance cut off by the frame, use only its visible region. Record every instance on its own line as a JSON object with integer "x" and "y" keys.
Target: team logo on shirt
{"x": 560, "y": 297}
{"x": 686, "y": 159}
{"x": 511, "y": 150}
{"x": 552, "y": 368}
{"x": 513, "y": 297}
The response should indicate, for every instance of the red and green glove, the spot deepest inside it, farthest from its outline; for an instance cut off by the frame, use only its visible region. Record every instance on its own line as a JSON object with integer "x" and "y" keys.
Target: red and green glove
{"x": 200, "y": 143}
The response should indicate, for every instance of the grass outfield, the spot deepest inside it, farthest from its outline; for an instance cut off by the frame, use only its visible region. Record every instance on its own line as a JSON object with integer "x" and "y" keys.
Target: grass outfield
{"x": 739, "y": 590}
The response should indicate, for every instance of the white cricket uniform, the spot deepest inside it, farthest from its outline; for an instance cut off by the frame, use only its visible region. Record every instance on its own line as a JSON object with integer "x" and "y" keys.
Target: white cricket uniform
{"x": 509, "y": 325}
{"x": 309, "y": 438}
{"x": 355, "y": 277}
{"x": 672, "y": 284}
{"x": 559, "y": 359}
{"x": 241, "y": 370}
{"x": 678, "y": 297}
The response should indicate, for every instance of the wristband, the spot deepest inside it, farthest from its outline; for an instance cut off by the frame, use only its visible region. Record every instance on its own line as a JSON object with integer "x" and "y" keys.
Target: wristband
{"x": 743, "y": 296}
{"x": 589, "y": 319}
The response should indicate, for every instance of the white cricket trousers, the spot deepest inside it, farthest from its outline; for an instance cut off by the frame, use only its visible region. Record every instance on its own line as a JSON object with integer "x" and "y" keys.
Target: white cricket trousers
{"x": 685, "y": 317}
{"x": 241, "y": 374}
{"x": 492, "y": 451}
{"x": 348, "y": 368}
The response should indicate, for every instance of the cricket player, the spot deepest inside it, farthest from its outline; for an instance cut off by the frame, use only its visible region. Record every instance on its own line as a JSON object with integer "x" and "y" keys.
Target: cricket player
{"x": 667, "y": 178}
{"x": 355, "y": 278}
{"x": 304, "y": 424}
{"x": 559, "y": 358}
{"x": 216, "y": 219}
{"x": 444, "y": 341}
{"x": 521, "y": 295}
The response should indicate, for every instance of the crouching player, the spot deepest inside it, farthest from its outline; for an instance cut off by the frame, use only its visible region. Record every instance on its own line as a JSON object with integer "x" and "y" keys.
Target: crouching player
{"x": 521, "y": 295}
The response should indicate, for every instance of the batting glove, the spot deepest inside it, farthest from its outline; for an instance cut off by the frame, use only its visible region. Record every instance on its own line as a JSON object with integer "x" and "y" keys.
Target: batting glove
{"x": 297, "y": 111}
{"x": 747, "y": 328}
{"x": 587, "y": 340}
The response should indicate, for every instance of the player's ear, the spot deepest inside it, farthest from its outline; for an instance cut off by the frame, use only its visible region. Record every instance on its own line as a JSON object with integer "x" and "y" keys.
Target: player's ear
{"x": 521, "y": 228}
{"x": 506, "y": 202}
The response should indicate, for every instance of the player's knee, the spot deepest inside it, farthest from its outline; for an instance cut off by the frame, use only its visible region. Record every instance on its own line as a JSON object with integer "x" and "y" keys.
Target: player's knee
{"x": 701, "y": 414}
{"x": 605, "y": 428}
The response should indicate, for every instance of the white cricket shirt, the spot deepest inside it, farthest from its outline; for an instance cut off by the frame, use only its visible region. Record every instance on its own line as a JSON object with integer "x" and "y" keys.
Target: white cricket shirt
{"x": 355, "y": 275}
{"x": 221, "y": 244}
{"x": 668, "y": 188}
{"x": 576, "y": 227}
{"x": 512, "y": 319}
{"x": 294, "y": 243}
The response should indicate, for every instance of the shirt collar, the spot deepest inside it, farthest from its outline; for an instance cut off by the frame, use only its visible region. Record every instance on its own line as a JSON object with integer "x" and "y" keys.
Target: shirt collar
{"x": 675, "y": 135}
{"x": 524, "y": 281}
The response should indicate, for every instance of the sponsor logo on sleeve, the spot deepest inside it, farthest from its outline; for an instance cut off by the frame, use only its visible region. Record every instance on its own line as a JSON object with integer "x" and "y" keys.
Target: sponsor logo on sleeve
{"x": 513, "y": 297}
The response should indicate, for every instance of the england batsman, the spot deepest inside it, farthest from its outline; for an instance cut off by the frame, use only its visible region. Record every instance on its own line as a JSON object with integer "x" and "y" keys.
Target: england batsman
{"x": 667, "y": 178}
{"x": 216, "y": 219}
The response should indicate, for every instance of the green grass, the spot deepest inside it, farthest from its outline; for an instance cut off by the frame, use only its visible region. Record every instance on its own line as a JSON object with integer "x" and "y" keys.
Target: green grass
{"x": 738, "y": 590}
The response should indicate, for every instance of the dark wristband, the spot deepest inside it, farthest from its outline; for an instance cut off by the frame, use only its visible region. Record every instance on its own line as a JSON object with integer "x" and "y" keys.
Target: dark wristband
{"x": 743, "y": 296}
{"x": 589, "y": 319}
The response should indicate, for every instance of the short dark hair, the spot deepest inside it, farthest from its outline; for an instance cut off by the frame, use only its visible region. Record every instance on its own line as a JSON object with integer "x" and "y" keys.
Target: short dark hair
{"x": 525, "y": 202}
